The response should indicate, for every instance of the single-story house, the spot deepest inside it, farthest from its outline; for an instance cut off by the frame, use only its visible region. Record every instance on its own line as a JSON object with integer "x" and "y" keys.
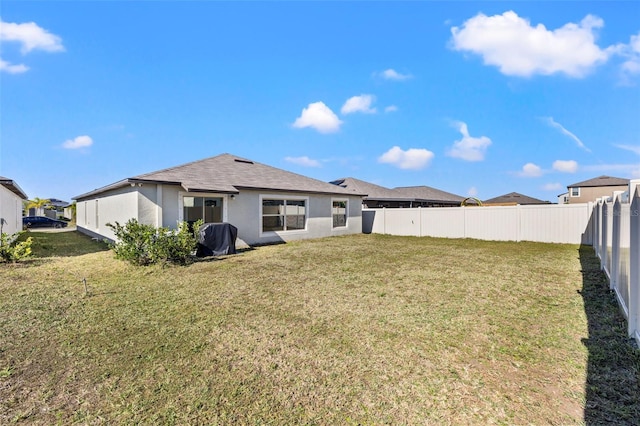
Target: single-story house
{"x": 513, "y": 199}
{"x": 11, "y": 198}
{"x": 601, "y": 186}
{"x": 401, "y": 197}
{"x": 265, "y": 203}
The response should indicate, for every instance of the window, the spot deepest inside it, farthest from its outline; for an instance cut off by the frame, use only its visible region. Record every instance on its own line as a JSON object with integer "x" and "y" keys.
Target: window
{"x": 339, "y": 213}
{"x": 575, "y": 191}
{"x": 209, "y": 209}
{"x": 283, "y": 214}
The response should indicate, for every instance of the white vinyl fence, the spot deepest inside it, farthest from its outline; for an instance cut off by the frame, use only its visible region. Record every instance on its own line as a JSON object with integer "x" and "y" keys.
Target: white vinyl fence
{"x": 549, "y": 223}
{"x": 616, "y": 241}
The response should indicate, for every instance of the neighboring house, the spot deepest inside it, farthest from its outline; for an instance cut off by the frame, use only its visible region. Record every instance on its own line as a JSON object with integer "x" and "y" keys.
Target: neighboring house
{"x": 402, "y": 197}
{"x": 513, "y": 199}
{"x": 602, "y": 186}
{"x": 563, "y": 198}
{"x": 11, "y": 198}
{"x": 266, "y": 204}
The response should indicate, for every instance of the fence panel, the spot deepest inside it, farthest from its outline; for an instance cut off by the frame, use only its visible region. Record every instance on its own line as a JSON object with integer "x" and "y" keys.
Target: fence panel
{"x": 492, "y": 223}
{"x": 405, "y": 222}
{"x": 443, "y": 222}
{"x": 547, "y": 223}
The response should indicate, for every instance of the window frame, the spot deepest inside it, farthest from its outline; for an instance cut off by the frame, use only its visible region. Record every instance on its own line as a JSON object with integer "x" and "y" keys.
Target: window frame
{"x": 346, "y": 213}
{"x": 571, "y": 191}
{"x": 183, "y": 194}
{"x": 285, "y": 198}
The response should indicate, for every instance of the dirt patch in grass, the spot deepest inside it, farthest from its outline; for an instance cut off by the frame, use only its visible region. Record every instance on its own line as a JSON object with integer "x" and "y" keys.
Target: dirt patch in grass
{"x": 365, "y": 329}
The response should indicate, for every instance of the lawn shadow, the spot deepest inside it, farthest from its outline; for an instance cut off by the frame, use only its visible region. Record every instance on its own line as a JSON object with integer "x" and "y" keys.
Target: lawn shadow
{"x": 613, "y": 368}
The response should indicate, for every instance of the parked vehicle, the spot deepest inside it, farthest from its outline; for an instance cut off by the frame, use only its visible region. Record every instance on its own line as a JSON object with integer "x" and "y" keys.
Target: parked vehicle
{"x": 42, "y": 222}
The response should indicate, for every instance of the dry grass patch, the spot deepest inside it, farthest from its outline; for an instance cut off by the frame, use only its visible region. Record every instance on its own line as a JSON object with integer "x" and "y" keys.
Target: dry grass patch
{"x": 364, "y": 329}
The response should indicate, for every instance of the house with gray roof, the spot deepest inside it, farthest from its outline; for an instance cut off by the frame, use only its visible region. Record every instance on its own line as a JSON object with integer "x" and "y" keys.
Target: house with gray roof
{"x": 400, "y": 197}
{"x": 11, "y": 198}
{"x": 601, "y": 186}
{"x": 265, "y": 203}
{"x": 513, "y": 199}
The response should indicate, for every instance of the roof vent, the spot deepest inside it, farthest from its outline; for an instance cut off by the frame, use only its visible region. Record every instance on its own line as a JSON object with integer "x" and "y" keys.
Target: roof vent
{"x": 238, "y": 160}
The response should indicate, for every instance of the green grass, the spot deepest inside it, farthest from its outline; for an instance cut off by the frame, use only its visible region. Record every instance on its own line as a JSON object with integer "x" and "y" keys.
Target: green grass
{"x": 364, "y": 329}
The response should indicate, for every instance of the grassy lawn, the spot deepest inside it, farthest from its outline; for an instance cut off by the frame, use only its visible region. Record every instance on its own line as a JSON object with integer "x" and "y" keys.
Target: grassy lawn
{"x": 365, "y": 329}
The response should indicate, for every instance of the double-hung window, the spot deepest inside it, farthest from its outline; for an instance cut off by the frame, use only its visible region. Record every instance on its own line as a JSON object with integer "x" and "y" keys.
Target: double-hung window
{"x": 575, "y": 191}
{"x": 283, "y": 214}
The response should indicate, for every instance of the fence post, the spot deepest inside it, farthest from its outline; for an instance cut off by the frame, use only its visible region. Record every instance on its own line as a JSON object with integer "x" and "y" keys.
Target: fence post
{"x": 597, "y": 226}
{"x": 614, "y": 271}
{"x": 634, "y": 265}
{"x": 605, "y": 236}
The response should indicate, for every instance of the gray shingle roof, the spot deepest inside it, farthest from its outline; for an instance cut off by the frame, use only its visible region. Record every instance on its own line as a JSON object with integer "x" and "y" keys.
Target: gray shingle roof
{"x": 228, "y": 173}
{"x": 406, "y": 193}
{"x": 428, "y": 193}
{"x": 13, "y": 187}
{"x": 373, "y": 191}
{"x": 601, "y": 181}
{"x": 514, "y": 197}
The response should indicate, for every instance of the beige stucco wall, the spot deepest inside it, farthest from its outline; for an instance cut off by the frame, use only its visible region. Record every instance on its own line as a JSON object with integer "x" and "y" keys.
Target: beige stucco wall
{"x": 10, "y": 211}
{"x": 591, "y": 193}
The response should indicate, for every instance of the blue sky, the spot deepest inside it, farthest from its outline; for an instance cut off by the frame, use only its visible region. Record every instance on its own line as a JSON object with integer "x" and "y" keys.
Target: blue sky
{"x": 473, "y": 98}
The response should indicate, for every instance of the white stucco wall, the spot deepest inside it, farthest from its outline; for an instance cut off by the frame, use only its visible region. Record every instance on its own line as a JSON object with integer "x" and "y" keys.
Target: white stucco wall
{"x": 243, "y": 211}
{"x": 92, "y": 215}
{"x": 10, "y": 211}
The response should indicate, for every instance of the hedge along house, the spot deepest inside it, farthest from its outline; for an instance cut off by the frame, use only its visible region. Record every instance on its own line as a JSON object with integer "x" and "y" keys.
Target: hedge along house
{"x": 11, "y": 198}
{"x": 265, "y": 203}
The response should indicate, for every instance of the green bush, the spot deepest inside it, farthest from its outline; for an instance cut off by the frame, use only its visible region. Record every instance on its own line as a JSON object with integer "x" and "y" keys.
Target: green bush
{"x": 14, "y": 250}
{"x": 141, "y": 244}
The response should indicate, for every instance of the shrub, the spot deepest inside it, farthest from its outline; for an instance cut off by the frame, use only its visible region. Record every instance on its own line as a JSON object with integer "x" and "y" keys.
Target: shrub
{"x": 14, "y": 250}
{"x": 142, "y": 244}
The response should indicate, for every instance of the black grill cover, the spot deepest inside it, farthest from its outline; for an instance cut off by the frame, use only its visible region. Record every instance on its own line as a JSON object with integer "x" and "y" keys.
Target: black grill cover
{"x": 216, "y": 239}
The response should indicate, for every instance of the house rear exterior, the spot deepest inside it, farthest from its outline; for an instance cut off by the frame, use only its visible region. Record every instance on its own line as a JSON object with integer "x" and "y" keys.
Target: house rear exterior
{"x": 266, "y": 204}
{"x": 11, "y": 197}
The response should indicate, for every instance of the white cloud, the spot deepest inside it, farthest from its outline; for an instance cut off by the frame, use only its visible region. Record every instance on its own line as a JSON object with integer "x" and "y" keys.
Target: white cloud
{"x": 530, "y": 170}
{"x": 469, "y": 148}
{"x": 631, "y": 53}
{"x": 392, "y": 74}
{"x": 78, "y": 142}
{"x": 303, "y": 161}
{"x": 30, "y": 36}
{"x": 411, "y": 159}
{"x": 553, "y": 187}
{"x": 472, "y": 192}
{"x": 320, "y": 117}
{"x": 391, "y": 108}
{"x": 360, "y": 103}
{"x": 519, "y": 49}
{"x": 565, "y": 166}
{"x": 12, "y": 69}
{"x": 551, "y": 122}
{"x": 633, "y": 148}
